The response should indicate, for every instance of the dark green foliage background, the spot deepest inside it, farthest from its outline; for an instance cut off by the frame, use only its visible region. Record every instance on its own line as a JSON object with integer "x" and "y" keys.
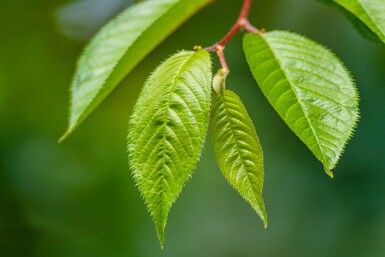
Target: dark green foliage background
{"x": 78, "y": 199}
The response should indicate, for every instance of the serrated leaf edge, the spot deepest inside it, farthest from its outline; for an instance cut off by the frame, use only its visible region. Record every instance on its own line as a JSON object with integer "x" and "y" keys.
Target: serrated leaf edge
{"x": 161, "y": 230}
{"x": 328, "y": 170}
{"x": 261, "y": 208}
{"x": 78, "y": 122}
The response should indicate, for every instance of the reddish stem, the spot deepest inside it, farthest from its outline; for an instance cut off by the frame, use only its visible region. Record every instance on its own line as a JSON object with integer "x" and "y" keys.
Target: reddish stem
{"x": 250, "y": 28}
{"x": 245, "y": 10}
{"x": 222, "y": 60}
{"x": 239, "y": 24}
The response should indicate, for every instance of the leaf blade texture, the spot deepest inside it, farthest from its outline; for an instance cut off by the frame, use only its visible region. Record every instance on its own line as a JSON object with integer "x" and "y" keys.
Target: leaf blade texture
{"x": 167, "y": 130}
{"x": 237, "y": 149}
{"x": 118, "y": 47}
{"x": 369, "y": 12}
{"x": 309, "y": 88}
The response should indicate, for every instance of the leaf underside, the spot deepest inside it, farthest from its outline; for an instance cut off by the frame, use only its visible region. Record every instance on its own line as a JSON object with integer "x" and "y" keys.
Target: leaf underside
{"x": 237, "y": 149}
{"x": 167, "y": 130}
{"x": 309, "y": 88}
{"x": 369, "y": 12}
{"x": 118, "y": 47}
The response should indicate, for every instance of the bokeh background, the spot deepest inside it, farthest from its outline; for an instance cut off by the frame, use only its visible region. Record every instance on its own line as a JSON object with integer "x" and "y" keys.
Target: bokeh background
{"x": 77, "y": 199}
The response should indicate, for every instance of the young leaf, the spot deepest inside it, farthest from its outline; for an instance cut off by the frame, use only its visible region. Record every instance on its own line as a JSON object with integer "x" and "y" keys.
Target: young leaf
{"x": 167, "y": 130}
{"x": 309, "y": 88}
{"x": 370, "y": 12}
{"x": 119, "y": 47}
{"x": 237, "y": 149}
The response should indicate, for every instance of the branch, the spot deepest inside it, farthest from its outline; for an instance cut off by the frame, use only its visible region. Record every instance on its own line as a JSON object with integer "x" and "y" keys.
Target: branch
{"x": 241, "y": 23}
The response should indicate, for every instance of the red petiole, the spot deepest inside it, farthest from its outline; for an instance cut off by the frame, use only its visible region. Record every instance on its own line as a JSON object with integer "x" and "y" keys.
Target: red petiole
{"x": 241, "y": 23}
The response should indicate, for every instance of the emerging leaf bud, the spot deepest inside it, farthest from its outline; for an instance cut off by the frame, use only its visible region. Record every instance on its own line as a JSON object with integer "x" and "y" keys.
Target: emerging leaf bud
{"x": 219, "y": 81}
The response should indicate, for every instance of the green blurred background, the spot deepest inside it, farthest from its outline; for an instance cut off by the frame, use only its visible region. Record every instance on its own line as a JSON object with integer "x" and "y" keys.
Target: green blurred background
{"x": 77, "y": 199}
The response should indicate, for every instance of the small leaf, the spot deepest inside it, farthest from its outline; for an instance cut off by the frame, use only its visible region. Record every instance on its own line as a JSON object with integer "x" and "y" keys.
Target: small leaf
{"x": 369, "y": 12}
{"x": 118, "y": 47}
{"x": 167, "y": 130}
{"x": 309, "y": 88}
{"x": 237, "y": 149}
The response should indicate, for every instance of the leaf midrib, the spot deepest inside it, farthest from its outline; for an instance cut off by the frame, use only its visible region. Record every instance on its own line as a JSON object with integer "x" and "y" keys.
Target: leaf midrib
{"x": 299, "y": 101}
{"x": 164, "y": 128}
{"x": 238, "y": 148}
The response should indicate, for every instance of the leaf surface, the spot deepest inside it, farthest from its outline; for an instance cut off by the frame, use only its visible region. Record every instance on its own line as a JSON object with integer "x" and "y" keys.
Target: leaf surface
{"x": 167, "y": 130}
{"x": 309, "y": 88}
{"x": 118, "y": 47}
{"x": 369, "y": 12}
{"x": 237, "y": 149}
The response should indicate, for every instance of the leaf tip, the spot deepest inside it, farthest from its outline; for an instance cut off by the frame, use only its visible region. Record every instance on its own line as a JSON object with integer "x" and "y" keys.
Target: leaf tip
{"x": 161, "y": 244}
{"x": 65, "y": 136}
{"x": 262, "y": 214}
{"x": 328, "y": 172}
{"x": 261, "y": 211}
{"x": 160, "y": 234}
{"x": 71, "y": 128}
{"x": 264, "y": 218}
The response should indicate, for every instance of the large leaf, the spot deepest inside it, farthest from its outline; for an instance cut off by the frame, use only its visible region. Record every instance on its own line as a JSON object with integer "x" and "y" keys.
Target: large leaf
{"x": 370, "y": 12}
{"x": 309, "y": 88}
{"x": 119, "y": 47}
{"x": 237, "y": 149}
{"x": 167, "y": 130}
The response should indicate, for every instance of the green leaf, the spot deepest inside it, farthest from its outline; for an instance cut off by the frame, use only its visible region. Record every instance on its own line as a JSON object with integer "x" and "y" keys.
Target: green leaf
{"x": 167, "y": 130}
{"x": 369, "y": 12}
{"x": 237, "y": 149}
{"x": 309, "y": 88}
{"x": 360, "y": 26}
{"x": 118, "y": 47}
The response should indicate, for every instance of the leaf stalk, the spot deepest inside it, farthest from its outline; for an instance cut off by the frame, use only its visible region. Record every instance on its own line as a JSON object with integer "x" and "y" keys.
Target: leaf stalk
{"x": 241, "y": 23}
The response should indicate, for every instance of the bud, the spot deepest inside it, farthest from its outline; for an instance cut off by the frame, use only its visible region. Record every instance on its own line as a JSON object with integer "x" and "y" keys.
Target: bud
{"x": 219, "y": 81}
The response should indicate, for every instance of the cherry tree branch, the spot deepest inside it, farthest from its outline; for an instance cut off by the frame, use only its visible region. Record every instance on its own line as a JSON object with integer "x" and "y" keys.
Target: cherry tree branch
{"x": 241, "y": 23}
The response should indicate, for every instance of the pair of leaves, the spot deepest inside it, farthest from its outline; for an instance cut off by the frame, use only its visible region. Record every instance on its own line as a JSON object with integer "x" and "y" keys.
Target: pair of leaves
{"x": 309, "y": 88}
{"x": 118, "y": 47}
{"x": 367, "y": 15}
{"x": 167, "y": 131}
